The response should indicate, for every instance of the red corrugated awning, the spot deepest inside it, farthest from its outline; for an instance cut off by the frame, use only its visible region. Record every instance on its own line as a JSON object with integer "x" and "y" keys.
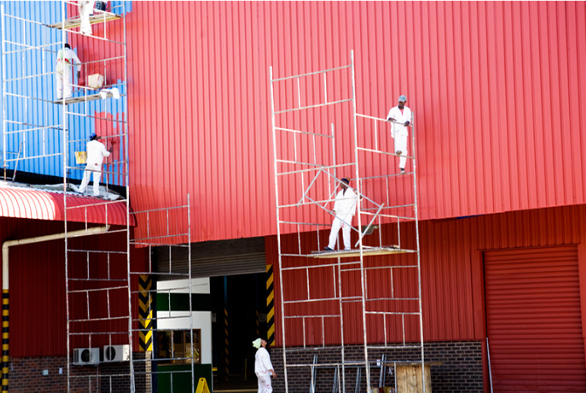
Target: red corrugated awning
{"x": 45, "y": 205}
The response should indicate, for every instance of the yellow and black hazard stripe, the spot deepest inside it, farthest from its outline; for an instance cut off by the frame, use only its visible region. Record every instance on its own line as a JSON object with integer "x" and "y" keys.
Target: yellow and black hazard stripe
{"x": 145, "y": 312}
{"x": 270, "y": 307}
{"x": 5, "y": 357}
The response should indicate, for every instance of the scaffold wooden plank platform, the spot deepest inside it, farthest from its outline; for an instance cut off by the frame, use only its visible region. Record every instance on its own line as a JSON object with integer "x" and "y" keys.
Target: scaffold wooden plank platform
{"x": 78, "y": 99}
{"x": 76, "y": 22}
{"x": 369, "y": 251}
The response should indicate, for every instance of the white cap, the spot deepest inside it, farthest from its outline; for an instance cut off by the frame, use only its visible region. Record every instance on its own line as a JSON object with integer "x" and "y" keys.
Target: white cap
{"x": 256, "y": 343}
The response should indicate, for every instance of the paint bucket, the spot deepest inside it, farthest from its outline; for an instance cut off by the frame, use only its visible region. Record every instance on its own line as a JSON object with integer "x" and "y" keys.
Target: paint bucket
{"x": 80, "y": 157}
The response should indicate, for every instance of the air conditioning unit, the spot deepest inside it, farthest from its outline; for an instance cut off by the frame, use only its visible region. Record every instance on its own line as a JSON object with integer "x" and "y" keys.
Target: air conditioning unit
{"x": 86, "y": 356}
{"x": 116, "y": 353}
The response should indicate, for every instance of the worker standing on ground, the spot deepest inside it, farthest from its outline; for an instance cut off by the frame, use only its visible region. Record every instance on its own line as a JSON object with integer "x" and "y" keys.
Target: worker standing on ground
{"x": 96, "y": 152}
{"x": 263, "y": 368}
{"x": 66, "y": 59}
{"x": 344, "y": 209}
{"x": 400, "y": 115}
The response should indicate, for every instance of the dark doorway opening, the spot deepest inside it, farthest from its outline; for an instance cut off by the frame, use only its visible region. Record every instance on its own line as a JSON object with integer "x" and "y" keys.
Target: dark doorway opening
{"x": 239, "y": 307}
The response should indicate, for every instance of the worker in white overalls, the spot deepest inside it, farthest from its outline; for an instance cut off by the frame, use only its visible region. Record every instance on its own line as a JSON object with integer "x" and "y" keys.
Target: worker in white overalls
{"x": 401, "y": 118}
{"x": 86, "y": 8}
{"x": 344, "y": 209}
{"x": 96, "y": 152}
{"x": 263, "y": 368}
{"x": 66, "y": 59}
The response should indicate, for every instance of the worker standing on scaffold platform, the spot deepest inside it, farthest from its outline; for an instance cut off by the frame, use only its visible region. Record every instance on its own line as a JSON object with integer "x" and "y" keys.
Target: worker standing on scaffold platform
{"x": 86, "y": 8}
{"x": 344, "y": 209}
{"x": 66, "y": 59}
{"x": 400, "y": 115}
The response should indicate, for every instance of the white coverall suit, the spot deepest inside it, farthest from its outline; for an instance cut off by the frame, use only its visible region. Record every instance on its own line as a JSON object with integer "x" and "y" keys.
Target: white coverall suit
{"x": 96, "y": 152}
{"x": 262, "y": 369}
{"x": 399, "y": 132}
{"x": 86, "y": 8}
{"x": 345, "y": 208}
{"x": 66, "y": 58}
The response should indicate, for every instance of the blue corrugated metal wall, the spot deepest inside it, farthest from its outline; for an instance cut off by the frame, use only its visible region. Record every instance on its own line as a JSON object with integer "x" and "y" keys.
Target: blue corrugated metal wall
{"x": 18, "y": 64}
{"x": 30, "y": 73}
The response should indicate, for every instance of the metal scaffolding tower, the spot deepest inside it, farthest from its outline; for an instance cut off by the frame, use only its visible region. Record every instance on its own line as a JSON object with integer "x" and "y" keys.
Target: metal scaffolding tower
{"x": 42, "y": 134}
{"x": 368, "y": 297}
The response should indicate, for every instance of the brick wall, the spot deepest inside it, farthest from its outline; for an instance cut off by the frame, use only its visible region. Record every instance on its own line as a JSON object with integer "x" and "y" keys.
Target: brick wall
{"x": 26, "y": 376}
{"x": 115, "y": 377}
{"x": 460, "y": 371}
{"x": 142, "y": 368}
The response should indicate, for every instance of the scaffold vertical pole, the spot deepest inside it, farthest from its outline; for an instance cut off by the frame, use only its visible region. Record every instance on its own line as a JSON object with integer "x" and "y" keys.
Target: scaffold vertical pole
{"x": 127, "y": 186}
{"x": 415, "y": 207}
{"x": 3, "y": 92}
{"x": 362, "y": 271}
{"x": 66, "y": 243}
{"x": 280, "y": 264}
{"x": 190, "y": 290}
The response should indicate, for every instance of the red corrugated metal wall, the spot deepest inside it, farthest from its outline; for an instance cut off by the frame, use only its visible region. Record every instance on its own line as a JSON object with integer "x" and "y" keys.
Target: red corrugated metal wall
{"x": 496, "y": 89}
{"x": 37, "y": 286}
{"x": 452, "y": 276}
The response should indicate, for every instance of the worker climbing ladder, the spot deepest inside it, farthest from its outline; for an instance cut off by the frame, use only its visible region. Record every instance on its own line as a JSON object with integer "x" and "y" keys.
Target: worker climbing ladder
{"x": 360, "y": 307}
{"x": 102, "y": 277}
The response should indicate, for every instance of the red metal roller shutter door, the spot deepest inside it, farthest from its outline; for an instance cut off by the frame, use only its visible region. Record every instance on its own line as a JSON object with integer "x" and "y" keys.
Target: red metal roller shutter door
{"x": 533, "y": 320}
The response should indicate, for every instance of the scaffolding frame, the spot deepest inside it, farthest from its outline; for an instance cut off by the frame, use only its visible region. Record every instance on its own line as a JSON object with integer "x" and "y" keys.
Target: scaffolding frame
{"x": 103, "y": 271}
{"x": 177, "y": 238}
{"x": 298, "y": 154}
{"x": 176, "y": 242}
